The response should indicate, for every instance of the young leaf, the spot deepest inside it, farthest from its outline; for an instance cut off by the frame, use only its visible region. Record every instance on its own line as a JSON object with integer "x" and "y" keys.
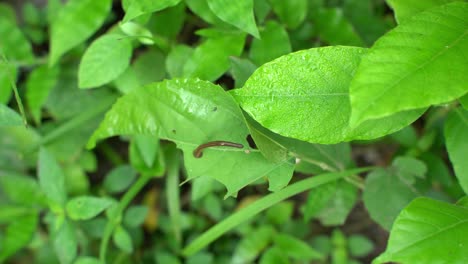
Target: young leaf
{"x": 398, "y": 74}
{"x": 141, "y": 7}
{"x": 8, "y": 117}
{"x": 76, "y": 22}
{"x": 456, "y": 140}
{"x": 65, "y": 242}
{"x": 51, "y": 178}
{"x": 135, "y": 215}
{"x": 86, "y": 207}
{"x": 14, "y": 44}
{"x": 304, "y": 95}
{"x": 339, "y": 205}
{"x": 296, "y": 248}
{"x": 274, "y": 255}
{"x": 237, "y": 13}
{"x": 18, "y": 234}
{"x": 405, "y": 9}
{"x": 291, "y": 12}
{"x": 359, "y": 246}
{"x": 104, "y": 60}
{"x": 165, "y": 110}
{"x": 428, "y": 231}
{"x": 119, "y": 179}
{"x": 252, "y": 244}
{"x": 38, "y": 86}
{"x": 274, "y": 43}
{"x": 122, "y": 240}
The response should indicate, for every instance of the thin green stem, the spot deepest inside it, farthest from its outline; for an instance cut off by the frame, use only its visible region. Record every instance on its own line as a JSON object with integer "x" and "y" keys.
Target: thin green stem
{"x": 172, "y": 190}
{"x": 258, "y": 206}
{"x": 15, "y": 91}
{"x": 117, "y": 216}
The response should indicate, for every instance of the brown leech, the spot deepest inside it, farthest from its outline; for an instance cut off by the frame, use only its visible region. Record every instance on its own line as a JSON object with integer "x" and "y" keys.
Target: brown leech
{"x": 198, "y": 152}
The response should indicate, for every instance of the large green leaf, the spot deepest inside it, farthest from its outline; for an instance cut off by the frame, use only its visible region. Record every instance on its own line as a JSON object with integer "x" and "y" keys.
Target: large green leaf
{"x": 38, "y": 86}
{"x": 428, "y": 231}
{"x": 237, "y": 13}
{"x": 419, "y": 63}
{"x": 190, "y": 113}
{"x": 8, "y": 117}
{"x": 405, "y": 9}
{"x": 14, "y": 44}
{"x": 304, "y": 95}
{"x": 104, "y": 60}
{"x": 141, "y": 7}
{"x": 76, "y": 22}
{"x": 456, "y": 140}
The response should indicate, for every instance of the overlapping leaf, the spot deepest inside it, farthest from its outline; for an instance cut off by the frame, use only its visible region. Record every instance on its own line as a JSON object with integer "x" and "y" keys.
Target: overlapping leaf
{"x": 304, "y": 95}
{"x": 404, "y": 9}
{"x": 420, "y": 63}
{"x": 456, "y": 140}
{"x": 237, "y": 13}
{"x": 190, "y": 113}
{"x": 140, "y": 7}
{"x": 39, "y": 84}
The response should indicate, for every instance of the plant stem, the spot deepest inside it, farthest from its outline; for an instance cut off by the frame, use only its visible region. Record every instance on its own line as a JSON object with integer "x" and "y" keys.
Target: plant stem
{"x": 116, "y": 218}
{"x": 172, "y": 190}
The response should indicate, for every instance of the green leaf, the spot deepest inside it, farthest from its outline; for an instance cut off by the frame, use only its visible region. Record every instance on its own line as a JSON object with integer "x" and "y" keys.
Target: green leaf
{"x": 464, "y": 101}
{"x": 168, "y": 22}
{"x": 210, "y": 60}
{"x": 237, "y": 13}
{"x": 202, "y": 10}
{"x": 252, "y": 244}
{"x": 141, "y": 7}
{"x": 274, "y": 43}
{"x": 434, "y": 58}
{"x": 122, "y": 240}
{"x": 405, "y": 9}
{"x": 65, "y": 242}
{"x": 119, "y": 179}
{"x": 51, "y": 178}
{"x": 150, "y": 66}
{"x": 135, "y": 215}
{"x": 359, "y": 246}
{"x": 7, "y": 12}
{"x": 274, "y": 255}
{"x": 428, "y": 231}
{"x": 176, "y": 59}
{"x": 165, "y": 110}
{"x": 318, "y": 200}
{"x": 87, "y": 260}
{"x": 18, "y": 234}
{"x": 456, "y": 140}
{"x": 339, "y": 206}
{"x": 8, "y": 73}
{"x": 148, "y": 146}
{"x": 21, "y": 189}
{"x": 335, "y": 29}
{"x": 304, "y": 95}
{"x": 291, "y": 12}
{"x": 38, "y": 86}
{"x": 281, "y": 213}
{"x": 86, "y": 207}
{"x": 241, "y": 69}
{"x": 296, "y": 248}
{"x": 104, "y": 60}
{"x": 14, "y": 44}
{"x": 8, "y": 117}
{"x": 140, "y": 32}
{"x": 74, "y": 23}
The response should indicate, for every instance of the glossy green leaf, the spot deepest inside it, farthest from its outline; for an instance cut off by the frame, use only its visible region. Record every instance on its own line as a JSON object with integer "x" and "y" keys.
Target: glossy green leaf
{"x": 252, "y": 244}
{"x": 38, "y": 86}
{"x": 86, "y": 207}
{"x": 274, "y": 255}
{"x": 434, "y": 58}
{"x": 456, "y": 140}
{"x": 104, "y": 60}
{"x": 18, "y": 234}
{"x": 141, "y": 7}
{"x": 65, "y": 242}
{"x": 122, "y": 240}
{"x": 396, "y": 185}
{"x": 14, "y": 44}
{"x": 51, "y": 178}
{"x": 428, "y": 231}
{"x": 359, "y": 246}
{"x": 296, "y": 248}
{"x": 21, "y": 189}
{"x": 237, "y": 13}
{"x": 274, "y": 43}
{"x": 405, "y": 9}
{"x": 8, "y": 117}
{"x": 74, "y": 23}
{"x": 241, "y": 69}
{"x": 291, "y": 12}
{"x": 210, "y": 59}
{"x": 119, "y": 179}
{"x": 304, "y": 95}
{"x": 167, "y": 110}
{"x": 335, "y": 29}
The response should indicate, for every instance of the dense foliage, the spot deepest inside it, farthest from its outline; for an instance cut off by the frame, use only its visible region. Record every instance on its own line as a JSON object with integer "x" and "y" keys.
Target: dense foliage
{"x": 215, "y": 131}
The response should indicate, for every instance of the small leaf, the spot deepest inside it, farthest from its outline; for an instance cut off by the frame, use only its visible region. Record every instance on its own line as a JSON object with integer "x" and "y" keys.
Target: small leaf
{"x": 21, "y": 189}
{"x": 405, "y": 9}
{"x": 202, "y": 10}
{"x": 432, "y": 59}
{"x": 140, "y": 32}
{"x": 141, "y": 7}
{"x": 74, "y": 23}
{"x": 65, "y": 242}
{"x": 280, "y": 213}
{"x": 178, "y": 56}
{"x": 291, "y": 12}
{"x": 274, "y": 43}
{"x": 87, "y": 260}
{"x": 252, "y": 244}
{"x": 51, "y": 178}
{"x": 86, "y": 207}
{"x": 119, "y": 179}
{"x": 122, "y": 240}
{"x": 150, "y": 66}
{"x": 318, "y": 200}
{"x": 339, "y": 206}
{"x": 14, "y": 44}
{"x": 18, "y": 234}
{"x": 135, "y": 215}
{"x": 296, "y": 248}
{"x": 456, "y": 140}
{"x": 8, "y": 73}
{"x": 274, "y": 255}
{"x": 241, "y": 69}
{"x": 169, "y": 22}
{"x": 237, "y": 13}
{"x": 305, "y": 95}
{"x": 8, "y": 117}
{"x": 359, "y": 246}
{"x": 104, "y": 60}
{"x": 428, "y": 231}
{"x": 38, "y": 86}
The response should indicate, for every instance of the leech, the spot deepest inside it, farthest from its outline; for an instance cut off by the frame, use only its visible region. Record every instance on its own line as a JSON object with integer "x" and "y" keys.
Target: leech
{"x": 198, "y": 152}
